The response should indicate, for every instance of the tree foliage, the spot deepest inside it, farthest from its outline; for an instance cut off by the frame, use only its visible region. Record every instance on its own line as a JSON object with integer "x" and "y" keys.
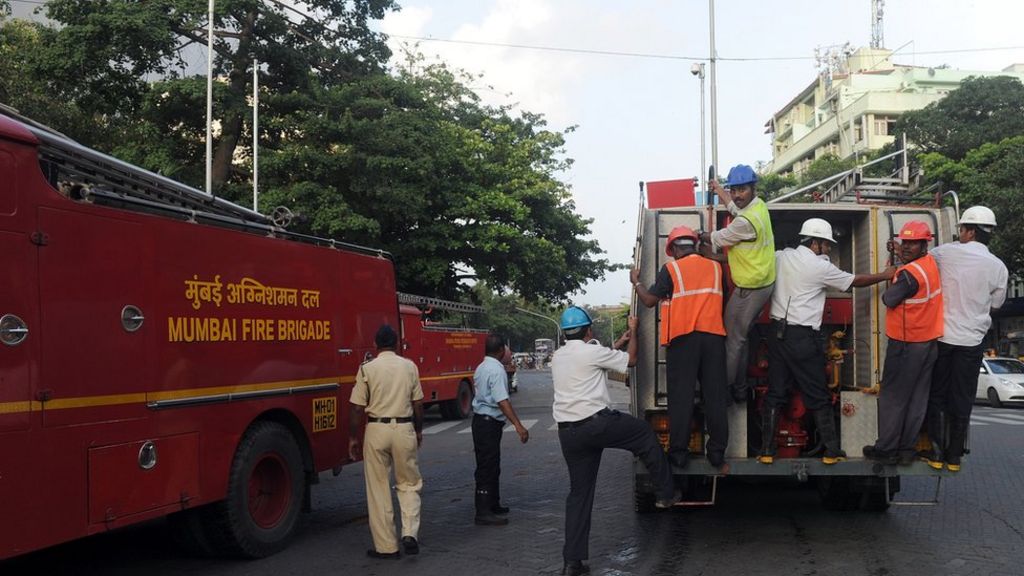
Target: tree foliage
{"x": 409, "y": 160}
{"x": 990, "y": 175}
{"x": 981, "y": 110}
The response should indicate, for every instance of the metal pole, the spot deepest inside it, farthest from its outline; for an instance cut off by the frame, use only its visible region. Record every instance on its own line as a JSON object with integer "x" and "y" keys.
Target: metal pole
{"x": 255, "y": 135}
{"x": 703, "y": 145}
{"x": 558, "y": 329}
{"x": 209, "y": 105}
{"x": 714, "y": 91}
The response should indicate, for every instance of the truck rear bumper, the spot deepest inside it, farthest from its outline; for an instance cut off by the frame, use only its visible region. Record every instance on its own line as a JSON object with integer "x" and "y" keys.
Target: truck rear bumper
{"x": 802, "y": 468}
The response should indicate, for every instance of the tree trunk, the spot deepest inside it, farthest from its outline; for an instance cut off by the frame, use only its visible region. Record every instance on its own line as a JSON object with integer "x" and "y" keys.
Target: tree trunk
{"x": 235, "y": 105}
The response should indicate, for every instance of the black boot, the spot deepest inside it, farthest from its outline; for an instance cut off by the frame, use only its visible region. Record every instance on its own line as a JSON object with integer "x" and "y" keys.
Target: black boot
{"x": 484, "y": 515}
{"x": 957, "y": 441}
{"x": 937, "y": 436}
{"x": 769, "y": 423}
{"x": 497, "y": 508}
{"x": 826, "y": 424}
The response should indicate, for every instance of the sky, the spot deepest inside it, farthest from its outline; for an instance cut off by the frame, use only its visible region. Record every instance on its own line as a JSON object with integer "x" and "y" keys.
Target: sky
{"x": 638, "y": 118}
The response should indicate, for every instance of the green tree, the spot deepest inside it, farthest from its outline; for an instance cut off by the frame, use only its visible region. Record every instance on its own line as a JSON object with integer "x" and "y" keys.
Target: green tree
{"x": 990, "y": 175}
{"x": 105, "y": 55}
{"x": 983, "y": 109}
{"x": 772, "y": 185}
{"x": 456, "y": 190}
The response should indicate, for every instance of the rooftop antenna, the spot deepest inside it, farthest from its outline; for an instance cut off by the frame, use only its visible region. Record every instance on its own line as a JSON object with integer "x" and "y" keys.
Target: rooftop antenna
{"x": 877, "y": 13}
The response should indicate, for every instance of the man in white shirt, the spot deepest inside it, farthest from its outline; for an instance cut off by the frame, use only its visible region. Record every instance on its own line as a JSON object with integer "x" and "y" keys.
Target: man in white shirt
{"x": 973, "y": 284}
{"x": 587, "y": 425}
{"x": 795, "y": 347}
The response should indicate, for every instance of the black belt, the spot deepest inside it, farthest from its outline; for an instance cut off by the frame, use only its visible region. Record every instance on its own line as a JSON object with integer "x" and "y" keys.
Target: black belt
{"x": 487, "y": 418}
{"x": 602, "y": 412}
{"x": 386, "y": 420}
{"x": 795, "y": 326}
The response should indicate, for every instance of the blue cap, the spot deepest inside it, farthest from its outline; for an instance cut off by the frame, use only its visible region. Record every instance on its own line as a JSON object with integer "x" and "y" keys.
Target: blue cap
{"x": 741, "y": 174}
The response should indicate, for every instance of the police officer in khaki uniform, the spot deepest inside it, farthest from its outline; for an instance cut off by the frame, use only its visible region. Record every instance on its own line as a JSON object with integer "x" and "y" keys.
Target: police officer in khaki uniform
{"x": 388, "y": 392}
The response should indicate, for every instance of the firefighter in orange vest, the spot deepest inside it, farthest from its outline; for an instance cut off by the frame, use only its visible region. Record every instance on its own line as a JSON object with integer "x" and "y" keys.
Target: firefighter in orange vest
{"x": 689, "y": 288}
{"x": 913, "y": 323}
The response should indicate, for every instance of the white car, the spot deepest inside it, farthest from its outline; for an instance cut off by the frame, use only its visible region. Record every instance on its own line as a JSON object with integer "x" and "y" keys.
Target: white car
{"x": 1001, "y": 381}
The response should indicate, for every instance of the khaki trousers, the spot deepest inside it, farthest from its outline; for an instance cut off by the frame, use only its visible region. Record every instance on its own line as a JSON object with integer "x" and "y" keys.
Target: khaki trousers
{"x": 384, "y": 445}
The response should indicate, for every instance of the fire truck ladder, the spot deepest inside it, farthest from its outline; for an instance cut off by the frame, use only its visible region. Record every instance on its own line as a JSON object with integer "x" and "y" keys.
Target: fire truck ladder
{"x": 85, "y": 175}
{"x": 900, "y": 187}
{"x": 437, "y": 303}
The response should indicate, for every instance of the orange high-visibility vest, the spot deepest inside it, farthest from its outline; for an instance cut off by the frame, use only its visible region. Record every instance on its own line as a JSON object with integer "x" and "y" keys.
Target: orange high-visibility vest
{"x": 696, "y": 301}
{"x": 918, "y": 318}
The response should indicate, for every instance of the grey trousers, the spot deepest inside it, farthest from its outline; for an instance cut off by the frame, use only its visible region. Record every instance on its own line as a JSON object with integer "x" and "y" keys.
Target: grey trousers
{"x": 743, "y": 308}
{"x": 903, "y": 400}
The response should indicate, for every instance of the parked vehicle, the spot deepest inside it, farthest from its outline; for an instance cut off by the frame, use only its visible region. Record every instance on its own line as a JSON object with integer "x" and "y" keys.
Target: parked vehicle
{"x": 1001, "y": 381}
{"x": 168, "y": 353}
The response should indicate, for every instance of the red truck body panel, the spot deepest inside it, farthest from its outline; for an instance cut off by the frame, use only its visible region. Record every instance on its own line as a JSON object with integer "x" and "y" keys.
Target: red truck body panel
{"x": 236, "y": 327}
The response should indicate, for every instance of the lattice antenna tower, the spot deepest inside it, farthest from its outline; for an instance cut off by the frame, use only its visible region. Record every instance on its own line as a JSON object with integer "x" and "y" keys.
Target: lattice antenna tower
{"x": 877, "y": 30}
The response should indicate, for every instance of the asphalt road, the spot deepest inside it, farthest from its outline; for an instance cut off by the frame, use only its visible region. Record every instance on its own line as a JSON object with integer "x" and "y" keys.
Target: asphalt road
{"x": 754, "y": 529}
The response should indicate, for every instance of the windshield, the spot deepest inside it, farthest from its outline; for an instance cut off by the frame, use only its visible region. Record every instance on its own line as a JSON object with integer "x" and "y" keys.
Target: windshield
{"x": 1006, "y": 366}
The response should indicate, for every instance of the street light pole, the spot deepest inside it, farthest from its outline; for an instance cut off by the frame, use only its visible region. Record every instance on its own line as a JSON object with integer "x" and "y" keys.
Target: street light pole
{"x": 558, "y": 328}
{"x": 714, "y": 89}
{"x": 698, "y": 71}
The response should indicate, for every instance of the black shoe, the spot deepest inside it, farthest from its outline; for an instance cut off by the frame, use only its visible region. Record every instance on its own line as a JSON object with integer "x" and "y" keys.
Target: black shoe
{"x": 663, "y": 503}
{"x": 410, "y": 545}
{"x": 679, "y": 459}
{"x": 383, "y": 555}
{"x": 499, "y": 509}
{"x": 907, "y": 457}
{"x": 881, "y": 456}
{"x": 575, "y": 568}
{"x": 490, "y": 519}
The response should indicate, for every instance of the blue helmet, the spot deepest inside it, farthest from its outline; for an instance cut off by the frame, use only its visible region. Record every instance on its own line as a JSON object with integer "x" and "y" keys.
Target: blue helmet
{"x": 741, "y": 174}
{"x": 575, "y": 317}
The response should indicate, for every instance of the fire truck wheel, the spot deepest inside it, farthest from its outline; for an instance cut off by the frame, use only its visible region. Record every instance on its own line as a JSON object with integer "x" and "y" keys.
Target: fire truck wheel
{"x": 836, "y": 494}
{"x": 265, "y": 493}
{"x": 460, "y": 407}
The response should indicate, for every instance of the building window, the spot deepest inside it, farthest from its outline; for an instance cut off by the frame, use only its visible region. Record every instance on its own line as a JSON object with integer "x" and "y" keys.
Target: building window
{"x": 885, "y": 126}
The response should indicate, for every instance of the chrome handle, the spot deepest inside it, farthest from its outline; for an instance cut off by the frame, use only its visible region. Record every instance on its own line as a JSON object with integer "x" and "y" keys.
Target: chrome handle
{"x": 345, "y": 351}
{"x": 131, "y": 318}
{"x": 13, "y": 330}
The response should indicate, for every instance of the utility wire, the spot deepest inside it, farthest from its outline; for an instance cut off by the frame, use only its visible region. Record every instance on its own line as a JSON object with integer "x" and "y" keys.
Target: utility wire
{"x": 672, "y": 56}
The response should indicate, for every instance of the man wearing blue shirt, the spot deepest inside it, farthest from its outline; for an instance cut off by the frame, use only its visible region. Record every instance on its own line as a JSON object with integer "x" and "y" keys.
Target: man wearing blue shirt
{"x": 491, "y": 409}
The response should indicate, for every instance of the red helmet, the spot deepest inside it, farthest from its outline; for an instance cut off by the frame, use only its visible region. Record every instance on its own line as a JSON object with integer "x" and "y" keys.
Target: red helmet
{"x": 677, "y": 233}
{"x": 915, "y": 230}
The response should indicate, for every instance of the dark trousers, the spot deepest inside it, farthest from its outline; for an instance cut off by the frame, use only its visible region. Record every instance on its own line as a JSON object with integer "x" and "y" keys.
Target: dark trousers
{"x": 798, "y": 356}
{"x": 487, "y": 447}
{"x": 955, "y": 380}
{"x": 582, "y": 447}
{"x": 689, "y": 358}
{"x": 903, "y": 401}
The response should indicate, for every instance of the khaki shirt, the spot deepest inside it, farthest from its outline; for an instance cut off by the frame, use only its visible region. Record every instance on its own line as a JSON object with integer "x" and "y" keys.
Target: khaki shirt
{"x": 387, "y": 386}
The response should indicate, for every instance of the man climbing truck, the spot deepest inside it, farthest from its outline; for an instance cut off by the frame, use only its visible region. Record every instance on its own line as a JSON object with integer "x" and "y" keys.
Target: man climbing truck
{"x": 852, "y": 329}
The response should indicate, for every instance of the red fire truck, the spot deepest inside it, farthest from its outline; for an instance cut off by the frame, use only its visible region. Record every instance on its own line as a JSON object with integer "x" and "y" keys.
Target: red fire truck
{"x": 165, "y": 352}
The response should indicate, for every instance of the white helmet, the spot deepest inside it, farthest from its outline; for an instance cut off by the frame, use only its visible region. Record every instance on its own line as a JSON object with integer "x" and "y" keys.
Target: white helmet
{"x": 817, "y": 228}
{"x": 979, "y": 216}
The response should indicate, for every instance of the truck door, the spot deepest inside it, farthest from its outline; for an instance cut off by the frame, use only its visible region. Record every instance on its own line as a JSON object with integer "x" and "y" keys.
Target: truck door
{"x": 19, "y": 324}
{"x": 98, "y": 322}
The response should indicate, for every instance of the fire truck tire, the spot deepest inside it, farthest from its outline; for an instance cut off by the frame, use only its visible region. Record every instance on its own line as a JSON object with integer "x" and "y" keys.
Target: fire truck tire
{"x": 188, "y": 532}
{"x": 874, "y": 502}
{"x": 836, "y": 494}
{"x": 265, "y": 492}
{"x": 460, "y": 407}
